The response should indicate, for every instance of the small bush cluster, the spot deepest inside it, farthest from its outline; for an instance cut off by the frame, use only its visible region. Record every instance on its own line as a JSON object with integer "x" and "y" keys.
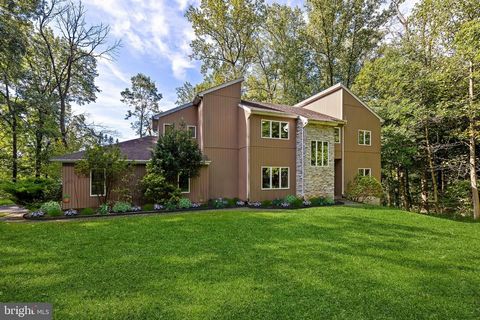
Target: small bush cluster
{"x": 363, "y": 188}
{"x": 51, "y": 208}
{"x": 121, "y": 206}
{"x": 87, "y": 211}
{"x": 103, "y": 209}
{"x": 184, "y": 203}
{"x": 70, "y": 212}
{"x": 30, "y": 191}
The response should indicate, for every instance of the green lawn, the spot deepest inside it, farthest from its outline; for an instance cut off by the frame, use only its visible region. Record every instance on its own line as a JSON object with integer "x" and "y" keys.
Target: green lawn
{"x": 331, "y": 263}
{"x": 5, "y": 202}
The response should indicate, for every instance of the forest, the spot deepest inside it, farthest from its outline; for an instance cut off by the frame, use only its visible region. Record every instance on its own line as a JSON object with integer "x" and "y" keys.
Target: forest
{"x": 418, "y": 69}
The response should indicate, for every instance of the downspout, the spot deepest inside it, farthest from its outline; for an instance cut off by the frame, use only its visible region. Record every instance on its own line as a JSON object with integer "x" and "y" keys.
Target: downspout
{"x": 304, "y": 122}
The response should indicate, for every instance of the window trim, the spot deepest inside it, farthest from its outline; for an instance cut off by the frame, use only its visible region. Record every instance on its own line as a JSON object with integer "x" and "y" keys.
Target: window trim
{"x": 358, "y": 136}
{"x": 363, "y": 169}
{"x": 339, "y": 135}
{"x": 164, "y": 125}
{"x": 280, "y": 133}
{"x": 195, "y": 127}
{"x": 178, "y": 185}
{"x": 316, "y": 160}
{"x": 279, "y": 181}
{"x": 104, "y": 185}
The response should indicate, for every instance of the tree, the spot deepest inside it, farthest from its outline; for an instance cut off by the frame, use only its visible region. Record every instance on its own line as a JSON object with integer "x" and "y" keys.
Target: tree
{"x": 72, "y": 56}
{"x": 175, "y": 154}
{"x": 185, "y": 93}
{"x": 143, "y": 98}
{"x": 108, "y": 159}
{"x": 225, "y": 35}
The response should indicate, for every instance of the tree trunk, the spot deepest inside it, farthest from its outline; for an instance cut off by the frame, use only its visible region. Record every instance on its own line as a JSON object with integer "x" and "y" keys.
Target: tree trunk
{"x": 38, "y": 154}
{"x": 473, "y": 165}
{"x": 14, "y": 148}
{"x": 432, "y": 170}
{"x": 63, "y": 129}
{"x": 402, "y": 187}
{"x": 424, "y": 195}
{"x": 408, "y": 197}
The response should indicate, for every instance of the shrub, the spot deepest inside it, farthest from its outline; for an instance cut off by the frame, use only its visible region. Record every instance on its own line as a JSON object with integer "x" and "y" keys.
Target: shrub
{"x": 121, "y": 206}
{"x": 231, "y": 202}
{"x": 290, "y": 199}
{"x": 321, "y": 201}
{"x": 277, "y": 202}
{"x": 297, "y": 203}
{"x": 70, "y": 212}
{"x": 29, "y": 191}
{"x": 103, "y": 209}
{"x": 51, "y": 208}
{"x": 218, "y": 203}
{"x": 184, "y": 203}
{"x": 87, "y": 212}
{"x": 266, "y": 203}
{"x": 158, "y": 190}
{"x": 171, "y": 205}
{"x": 363, "y": 188}
{"x": 148, "y": 207}
{"x": 307, "y": 203}
{"x": 457, "y": 198}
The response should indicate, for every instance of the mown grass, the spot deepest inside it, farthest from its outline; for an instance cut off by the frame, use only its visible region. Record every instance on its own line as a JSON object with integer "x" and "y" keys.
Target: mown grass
{"x": 318, "y": 263}
{"x": 5, "y": 202}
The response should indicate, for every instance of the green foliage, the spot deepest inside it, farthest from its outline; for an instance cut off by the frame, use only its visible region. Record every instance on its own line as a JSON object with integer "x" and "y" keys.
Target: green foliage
{"x": 87, "y": 212}
{"x": 143, "y": 97}
{"x": 457, "y": 198}
{"x": 290, "y": 199}
{"x": 103, "y": 209}
{"x": 218, "y": 203}
{"x": 185, "y": 93}
{"x": 176, "y": 153}
{"x": 157, "y": 189}
{"x": 363, "y": 188}
{"x": 266, "y": 203}
{"x": 121, "y": 206}
{"x": 171, "y": 204}
{"x": 107, "y": 158}
{"x": 51, "y": 208}
{"x": 277, "y": 202}
{"x": 321, "y": 201}
{"x": 29, "y": 191}
{"x": 184, "y": 203}
{"x": 147, "y": 207}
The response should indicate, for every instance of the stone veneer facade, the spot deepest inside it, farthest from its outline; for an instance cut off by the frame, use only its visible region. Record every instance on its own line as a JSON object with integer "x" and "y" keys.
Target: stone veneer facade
{"x": 314, "y": 181}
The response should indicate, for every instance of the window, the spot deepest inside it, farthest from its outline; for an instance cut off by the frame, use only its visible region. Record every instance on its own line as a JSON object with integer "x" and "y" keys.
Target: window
{"x": 364, "y": 137}
{"x": 337, "y": 135}
{"x": 319, "y": 154}
{"x": 184, "y": 183}
{"x": 193, "y": 131}
{"x": 275, "y": 178}
{"x": 364, "y": 172}
{"x": 97, "y": 182}
{"x": 166, "y": 127}
{"x": 274, "y": 129}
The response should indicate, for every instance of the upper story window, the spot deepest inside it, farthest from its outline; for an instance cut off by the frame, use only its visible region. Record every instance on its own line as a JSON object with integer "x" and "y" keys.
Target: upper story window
{"x": 338, "y": 135}
{"x": 364, "y": 172}
{"x": 275, "y": 178}
{"x": 319, "y": 154}
{"x": 97, "y": 182}
{"x": 166, "y": 127}
{"x": 193, "y": 131}
{"x": 274, "y": 129}
{"x": 364, "y": 137}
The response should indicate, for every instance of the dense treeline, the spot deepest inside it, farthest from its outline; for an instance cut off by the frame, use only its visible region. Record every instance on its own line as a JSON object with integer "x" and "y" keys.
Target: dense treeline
{"x": 48, "y": 61}
{"x": 418, "y": 71}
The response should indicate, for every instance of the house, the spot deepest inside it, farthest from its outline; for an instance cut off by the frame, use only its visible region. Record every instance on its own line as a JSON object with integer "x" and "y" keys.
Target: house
{"x": 256, "y": 150}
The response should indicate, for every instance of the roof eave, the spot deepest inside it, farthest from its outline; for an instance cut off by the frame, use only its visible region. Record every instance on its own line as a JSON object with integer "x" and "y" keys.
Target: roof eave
{"x": 273, "y": 113}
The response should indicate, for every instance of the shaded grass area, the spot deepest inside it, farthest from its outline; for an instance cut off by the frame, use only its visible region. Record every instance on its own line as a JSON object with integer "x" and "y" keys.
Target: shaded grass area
{"x": 318, "y": 263}
{"x": 5, "y": 202}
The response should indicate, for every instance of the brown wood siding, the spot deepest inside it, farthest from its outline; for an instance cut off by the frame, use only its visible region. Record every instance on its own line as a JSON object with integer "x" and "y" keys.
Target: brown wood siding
{"x": 188, "y": 115}
{"x": 219, "y": 117}
{"x": 242, "y": 153}
{"x": 199, "y": 187}
{"x": 270, "y": 152}
{"x": 359, "y": 156}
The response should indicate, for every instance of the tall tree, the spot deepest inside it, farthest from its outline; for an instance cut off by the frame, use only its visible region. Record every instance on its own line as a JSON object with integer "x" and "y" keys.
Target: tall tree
{"x": 185, "y": 93}
{"x": 143, "y": 97}
{"x": 225, "y": 35}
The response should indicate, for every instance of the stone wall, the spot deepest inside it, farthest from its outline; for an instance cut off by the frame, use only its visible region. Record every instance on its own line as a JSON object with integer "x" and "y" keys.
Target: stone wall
{"x": 315, "y": 181}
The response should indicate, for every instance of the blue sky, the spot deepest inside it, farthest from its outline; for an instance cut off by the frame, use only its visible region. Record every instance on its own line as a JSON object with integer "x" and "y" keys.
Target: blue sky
{"x": 155, "y": 41}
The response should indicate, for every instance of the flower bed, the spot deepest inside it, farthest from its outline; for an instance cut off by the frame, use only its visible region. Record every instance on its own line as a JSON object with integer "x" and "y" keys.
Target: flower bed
{"x": 124, "y": 208}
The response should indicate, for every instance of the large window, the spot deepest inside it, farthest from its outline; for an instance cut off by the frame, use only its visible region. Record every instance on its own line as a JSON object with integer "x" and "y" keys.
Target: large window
{"x": 364, "y": 137}
{"x": 184, "y": 183}
{"x": 275, "y": 178}
{"x": 97, "y": 182}
{"x": 364, "y": 172}
{"x": 338, "y": 135}
{"x": 319, "y": 154}
{"x": 274, "y": 129}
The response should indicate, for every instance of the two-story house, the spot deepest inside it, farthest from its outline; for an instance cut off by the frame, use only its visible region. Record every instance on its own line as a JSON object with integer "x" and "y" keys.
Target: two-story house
{"x": 258, "y": 151}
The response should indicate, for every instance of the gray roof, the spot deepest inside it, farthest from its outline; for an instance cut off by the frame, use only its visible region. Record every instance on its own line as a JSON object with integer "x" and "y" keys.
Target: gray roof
{"x": 302, "y": 112}
{"x": 135, "y": 150}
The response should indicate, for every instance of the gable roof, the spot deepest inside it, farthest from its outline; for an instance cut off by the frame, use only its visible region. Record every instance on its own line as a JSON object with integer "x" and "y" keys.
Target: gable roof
{"x": 289, "y": 110}
{"x": 170, "y": 111}
{"x": 137, "y": 150}
{"x": 330, "y": 90}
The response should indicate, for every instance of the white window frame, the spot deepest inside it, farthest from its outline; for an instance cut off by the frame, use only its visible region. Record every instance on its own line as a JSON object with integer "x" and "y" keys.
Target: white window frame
{"x": 364, "y": 132}
{"x": 164, "y": 125}
{"x": 104, "y": 185}
{"x": 362, "y": 170}
{"x": 178, "y": 185}
{"x": 280, "y": 178}
{"x": 195, "y": 127}
{"x": 270, "y": 132}
{"x": 339, "y": 135}
{"x": 316, "y": 160}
